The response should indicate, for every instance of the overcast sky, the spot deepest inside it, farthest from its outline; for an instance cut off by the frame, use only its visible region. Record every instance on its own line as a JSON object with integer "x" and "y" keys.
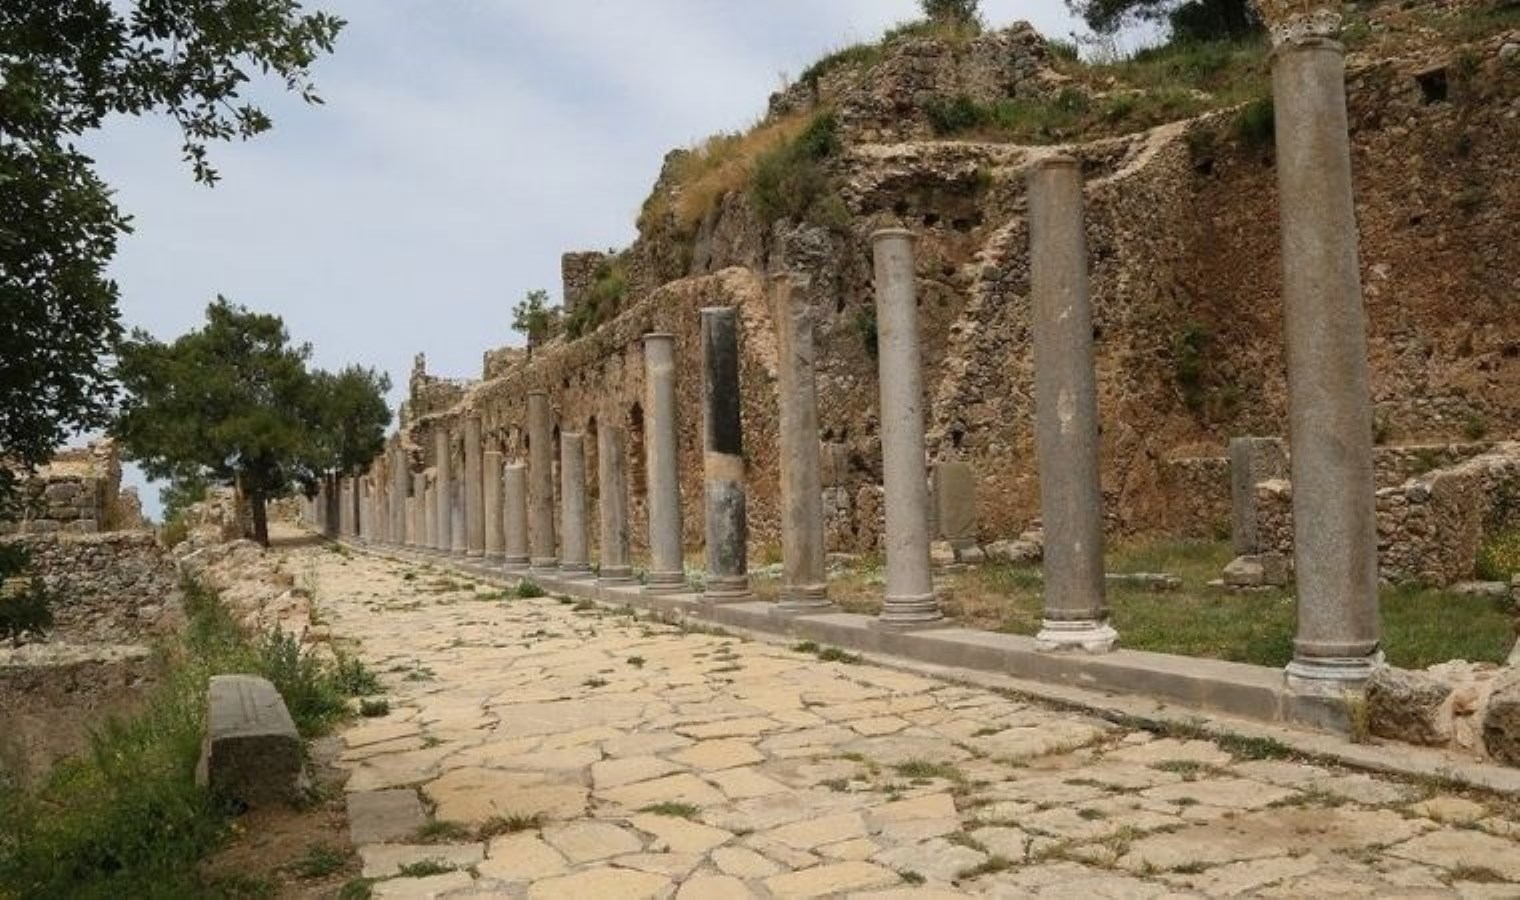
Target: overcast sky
{"x": 463, "y": 146}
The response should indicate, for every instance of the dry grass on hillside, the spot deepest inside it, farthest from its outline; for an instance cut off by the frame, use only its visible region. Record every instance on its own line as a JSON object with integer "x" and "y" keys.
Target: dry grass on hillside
{"x": 720, "y": 165}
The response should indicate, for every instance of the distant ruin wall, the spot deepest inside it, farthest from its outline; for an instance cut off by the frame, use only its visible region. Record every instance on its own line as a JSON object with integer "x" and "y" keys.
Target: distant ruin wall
{"x": 118, "y": 587}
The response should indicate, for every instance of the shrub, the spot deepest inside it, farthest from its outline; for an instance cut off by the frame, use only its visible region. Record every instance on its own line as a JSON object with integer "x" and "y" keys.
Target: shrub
{"x": 1188, "y": 363}
{"x": 789, "y": 179}
{"x": 1255, "y": 123}
{"x": 25, "y": 610}
{"x": 527, "y": 590}
{"x": 1499, "y": 556}
{"x": 955, "y": 115}
{"x": 866, "y": 330}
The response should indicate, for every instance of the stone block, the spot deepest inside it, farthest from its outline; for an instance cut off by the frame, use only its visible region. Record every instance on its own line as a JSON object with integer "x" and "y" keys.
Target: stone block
{"x": 1413, "y": 707}
{"x": 1501, "y": 724}
{"x": 1263, "y": 570}
{"x": 252, "y": 751}
{"x": 1014, "y": 551}
{"x": 955, "y": 503}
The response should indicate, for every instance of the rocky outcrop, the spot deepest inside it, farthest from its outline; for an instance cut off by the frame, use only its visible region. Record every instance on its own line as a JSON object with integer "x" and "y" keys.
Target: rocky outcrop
{"x": 1501, "y": 725}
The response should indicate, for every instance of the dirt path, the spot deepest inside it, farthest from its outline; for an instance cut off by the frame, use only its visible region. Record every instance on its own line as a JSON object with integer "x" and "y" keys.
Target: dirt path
{"x": 540, "y": 749}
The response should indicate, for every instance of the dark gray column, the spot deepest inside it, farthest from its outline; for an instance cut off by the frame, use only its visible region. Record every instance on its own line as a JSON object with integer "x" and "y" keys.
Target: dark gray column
{"x": 612, "y": 503}
{"x": 1066, "y": 412}
{"x": 474, "y": 490}
{"x": 909, "y": 600}
{"x": 575, "y": 559}
{"x": 443, "y": 490}
{"x": 492, "y": 506}
{"x": 514, "y": 488}
{"x": 667, "y": 572}
{"x": 726, "y": 529}
{"x": 804, "y": 588}
{"x": 1329, "y": 413}
{"x": 541, "y": 484}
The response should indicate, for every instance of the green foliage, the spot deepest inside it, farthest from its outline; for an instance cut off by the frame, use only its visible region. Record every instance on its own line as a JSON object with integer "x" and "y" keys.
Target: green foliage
{"x": 535, "y": 319}
{"x": 861, "y": 55}
{"x": 127, "y": 819}
{"x": 1256, "y": 123}
{"x": 1474, "y": 426}
{"x": 374, "y": 709}
{"x": 956, "y": 114}
{"x": 790, "y": 179}
{"x": 1188, "y": 19}
{"x": 25, "y": 610}
{"x": 603, "y": 299}
{"x": 320, "y": 861}
{"x": 672, "y": 809}
{"x": 1188, "y": 364}
{"x": 958, "y": 13}
{"x": 866, "y": 330}
{"x": 66, "y": 67}
{"x": 1499, "y": 555}
{"x": 527, "y": 590}
{"x": 234, "y": 402}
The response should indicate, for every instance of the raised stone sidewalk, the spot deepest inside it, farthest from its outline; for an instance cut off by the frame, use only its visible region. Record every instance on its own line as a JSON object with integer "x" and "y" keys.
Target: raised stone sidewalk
{"x": 543, "y": 748}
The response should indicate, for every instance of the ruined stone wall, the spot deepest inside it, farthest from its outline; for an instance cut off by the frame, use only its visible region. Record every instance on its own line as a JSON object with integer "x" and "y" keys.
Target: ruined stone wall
{"x": 118, "y": 587}
{"x": 1430, "y": 527}
{"x": 77, "y": 492}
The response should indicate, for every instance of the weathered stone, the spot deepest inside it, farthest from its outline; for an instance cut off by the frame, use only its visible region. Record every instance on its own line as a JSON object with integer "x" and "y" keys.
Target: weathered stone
{"x": 252, "y": 752}
{"x": 725, "y": 522}
{"x": 1409, "y": 706}
{"x": 545, "y": 559}
{"x": 1263, "y": 570}
{"x": 575, "y": 560}
{"x": 386, "y": 860}
{"x": 1501, "y": 723}
{"x": 381, "y": 816}
{"x": 667, "y": 572}
{"x": 805, "y": 578}
{"x": 955, "y": 504}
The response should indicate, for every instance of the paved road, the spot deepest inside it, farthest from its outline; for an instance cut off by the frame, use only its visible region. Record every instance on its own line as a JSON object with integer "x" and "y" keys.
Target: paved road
{"x": 541, "y": 749}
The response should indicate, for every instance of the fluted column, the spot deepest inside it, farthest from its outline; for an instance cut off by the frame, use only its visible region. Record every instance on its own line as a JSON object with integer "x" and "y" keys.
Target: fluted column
{"x": 515, "y": 516}
{"x": 492, "y": 506}
{"x": 804, "y": 586}
{"x": 1329, "y": 410}
{"x": 667, "y": 571}
{"x": 1066, "y": 412}
{"x": 575, "y": 560}
{"x": 541, "y": 484}
{"x": 443, "y": 491}
{"x": 909, "y": 601}
{"x": 612, "y": 504}
{"x": 474, "y": 490}
{"x": 726, "y": 527}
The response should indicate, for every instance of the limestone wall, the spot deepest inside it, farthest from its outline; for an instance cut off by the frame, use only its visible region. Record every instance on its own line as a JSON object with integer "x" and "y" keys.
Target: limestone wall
{"x": 118, "y": 587}
{"x": 77, "y": 492}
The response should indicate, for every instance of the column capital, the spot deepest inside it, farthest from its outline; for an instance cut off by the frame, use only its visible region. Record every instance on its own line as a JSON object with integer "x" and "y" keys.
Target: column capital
{"x": 1298, "y": 21}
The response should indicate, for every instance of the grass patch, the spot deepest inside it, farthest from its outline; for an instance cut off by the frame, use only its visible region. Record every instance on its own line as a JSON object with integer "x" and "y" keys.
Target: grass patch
{"x": 1499, "y": 556}
{"x": 672, "y": 809}
{"x": 636, "y": 661}
{"x": 126, "y": 818}
{"x": 920, "y": 768}
{"x": 441, "y": 831}
{"x": 989, "y": 866}
{"x": 372, "y": 709}
{"x": 1424, "y": 626}
{"x": 499, "y": 825}
{"x": 424, "y": 868}
{"x": 790, "y": 180}
{"x": 320, "y": 861}
{"x": 527, "y": 590}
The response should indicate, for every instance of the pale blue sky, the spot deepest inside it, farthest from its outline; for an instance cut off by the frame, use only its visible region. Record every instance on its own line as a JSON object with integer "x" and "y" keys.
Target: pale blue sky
{"x": 463, "y": 146}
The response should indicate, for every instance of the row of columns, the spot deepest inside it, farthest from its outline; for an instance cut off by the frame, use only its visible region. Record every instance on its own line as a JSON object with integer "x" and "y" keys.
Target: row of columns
{"x": 504, "y": 512}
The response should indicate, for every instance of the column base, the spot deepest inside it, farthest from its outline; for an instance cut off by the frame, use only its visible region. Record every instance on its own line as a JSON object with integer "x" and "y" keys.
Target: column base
{"x": 545, "y": 566}
{"x": 1331, "y": 675}
{"x": 666, "y": 583}
{"x": 803, "y": 600}
{"x": 515, "y": 564}
{"x": 494, "y": 559}
{"x": 733, "y": 589}
{"x": 1088, "y": 635}
{"x": 474, "y": 554}
{"x": 910, "y": 613}
{"x": 616, "y": 575}
{"x": 575, "y": 571}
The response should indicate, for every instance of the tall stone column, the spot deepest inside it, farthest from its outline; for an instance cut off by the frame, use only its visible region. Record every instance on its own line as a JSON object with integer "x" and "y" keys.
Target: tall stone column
{"x": 401, "y": 481}
{"x": 514, "y": 485}
{"x": 443, "y": 490}
{"x": 492, "y": 506}
{"x": 416, "y": 530}
{"x": 430, "y": 517}
{"x": 1066, "y": 412}
{"x": 1329, "y": 413}
{"x": 541, "y": 484}
{"x": 667, "y": 570}
{"x": 804, "y": 586}
{"x": 612, "y": 503}
{"x": 474, "y": 490}
{"x": 575, "y": 559}
{"x": 456, "y": 519}
{"x": 726, "y": 528}
{"x": 909, "y": 601}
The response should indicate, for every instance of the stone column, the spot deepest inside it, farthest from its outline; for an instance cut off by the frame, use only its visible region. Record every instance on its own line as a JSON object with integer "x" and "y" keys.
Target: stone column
{"x": 541, "y": 484}
{"x": 474, "y": 491}
{"x": 667, "y": 571}
{"x": 515, "y": 517}
{"x": 401, "y": 480}
{"x": 1252, "y": 460}
{"x": 492, "y": 506}
{"x": 909, "y": 601}
{"x": 443, "y": 491}
{"x": 804, "y": 588}
{"x": 456, "y": 519}
{"x": 416, "y": 529}
{"x": 1066, "y": 412}
{"x": 726, "y": 529}
{"x": 575, "y": 558}
{"x": 612, "y": 503}
{"x": 1329, "y": 414}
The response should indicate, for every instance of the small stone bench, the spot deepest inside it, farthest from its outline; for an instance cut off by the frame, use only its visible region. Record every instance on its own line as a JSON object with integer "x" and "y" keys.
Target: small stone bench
{"x": 252, "y": 752}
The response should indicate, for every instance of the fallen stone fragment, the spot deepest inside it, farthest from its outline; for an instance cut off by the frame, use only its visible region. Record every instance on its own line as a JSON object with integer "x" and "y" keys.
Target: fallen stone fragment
{"x": 1409, "y": 706}
{"x": 252, "y": 752}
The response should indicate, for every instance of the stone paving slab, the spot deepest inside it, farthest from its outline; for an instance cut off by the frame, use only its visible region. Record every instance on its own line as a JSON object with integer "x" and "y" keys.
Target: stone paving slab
{"x": 567, "y": 750}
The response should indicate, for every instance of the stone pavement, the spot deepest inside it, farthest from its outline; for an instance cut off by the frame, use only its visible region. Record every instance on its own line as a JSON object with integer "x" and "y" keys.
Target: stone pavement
{"x": 538, "y": 748}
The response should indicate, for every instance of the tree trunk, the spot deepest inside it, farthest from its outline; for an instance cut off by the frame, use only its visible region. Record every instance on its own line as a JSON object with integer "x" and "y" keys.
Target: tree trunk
{"x": 260, "y": 518}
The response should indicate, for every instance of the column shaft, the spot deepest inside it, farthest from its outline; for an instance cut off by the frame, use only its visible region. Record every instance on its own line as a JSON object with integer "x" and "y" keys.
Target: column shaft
{"x": 474, "y": 490}
{"x": 909, "y": 601}
{"x": 401, "y": 481}
{"x": 443, "y": 490}
{"x": 1329, "y": 414}
{"x": 430, "y": 518}
{"x": 515, "y": 516}
{"x": 805, "y": 578}
{"x": 575, "y": 560}
{"x": 726, "y": 528}
{"x": 612, "y": 503}
{"x": 667, "y": 572}
{"x": 492, "y": 505}
{"x": 541, "y": 483}
{"x": 416, "y": 531}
